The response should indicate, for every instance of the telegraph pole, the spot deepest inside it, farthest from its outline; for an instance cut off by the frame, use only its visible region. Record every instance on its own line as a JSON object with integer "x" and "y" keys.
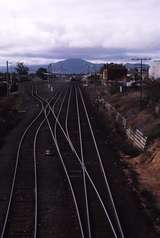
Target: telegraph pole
{"x": 7, "y": 78}
{"x": 141, "y": 92}
{"x": 141, "y": 77}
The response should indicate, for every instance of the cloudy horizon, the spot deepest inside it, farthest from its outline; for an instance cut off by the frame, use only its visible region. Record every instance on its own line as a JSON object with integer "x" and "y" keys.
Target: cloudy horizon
{"x": 36, "y": 31}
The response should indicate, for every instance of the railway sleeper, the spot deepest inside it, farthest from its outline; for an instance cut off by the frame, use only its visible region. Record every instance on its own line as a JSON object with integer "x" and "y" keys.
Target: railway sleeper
{"x": 20, "y": 224}
{"x": 23, "y": 199}
{"x": 23, "y": 234}
{"x": 76, "y": 173}
{"x": 21, "y": 228}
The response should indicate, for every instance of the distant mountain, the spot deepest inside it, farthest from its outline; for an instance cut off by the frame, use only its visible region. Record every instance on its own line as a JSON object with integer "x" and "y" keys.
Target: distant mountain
{"x": 34, "y": 67}
{"x": 3, "y": 69}
{"x": 75, "y": 66}
{"x": 68, "y": 66}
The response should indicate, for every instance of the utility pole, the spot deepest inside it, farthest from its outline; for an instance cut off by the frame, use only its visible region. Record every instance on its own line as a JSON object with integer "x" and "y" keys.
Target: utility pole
{"x": 141, "y": 89}
{"x": 7, "y": 78}
{"x": 141, "y": 77}
{"x": 107, "y": 71}
{"x": 49, "y": 71}
{"x": 88, "y": 71}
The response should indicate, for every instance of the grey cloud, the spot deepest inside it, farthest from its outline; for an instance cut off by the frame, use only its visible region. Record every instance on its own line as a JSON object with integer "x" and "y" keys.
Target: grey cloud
{"x": 88, "y": 53}
{"x": 70, "y": 28}
{"x": 60, "y": 53}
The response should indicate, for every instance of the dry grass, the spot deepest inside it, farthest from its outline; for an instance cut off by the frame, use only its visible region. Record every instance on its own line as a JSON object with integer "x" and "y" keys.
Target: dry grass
{"x": 148, "y": 169}
{"x": 146, "y": 165}
{"x": 129, "y": 106}
{"x": 9, "y": 116}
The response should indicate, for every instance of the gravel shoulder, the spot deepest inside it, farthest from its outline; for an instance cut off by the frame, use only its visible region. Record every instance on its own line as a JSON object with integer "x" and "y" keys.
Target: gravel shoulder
{"x": 132, "y": 165}
{"x": 11, "y": 137}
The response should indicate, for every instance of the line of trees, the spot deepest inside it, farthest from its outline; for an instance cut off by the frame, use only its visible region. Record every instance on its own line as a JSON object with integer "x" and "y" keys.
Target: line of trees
{"x": 22, "y": 72}
{"x": 115, "y": 71}
{"x": 42, "y": 73}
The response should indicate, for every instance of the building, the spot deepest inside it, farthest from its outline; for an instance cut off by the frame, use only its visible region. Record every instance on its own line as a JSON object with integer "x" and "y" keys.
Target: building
{"x": 105, "y": 74}
{"x": 154, "y": 71}
{"x": 134, "y": 71}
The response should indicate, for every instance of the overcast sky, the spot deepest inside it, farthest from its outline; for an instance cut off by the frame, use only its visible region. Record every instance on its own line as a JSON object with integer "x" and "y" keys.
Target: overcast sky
{"x": 36, "y": 31}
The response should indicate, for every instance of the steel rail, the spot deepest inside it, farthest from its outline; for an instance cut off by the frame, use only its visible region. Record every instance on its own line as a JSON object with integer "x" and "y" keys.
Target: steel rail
{"x": 36, "y": 182}
{"x": 101, "y": 166}
{"x": 64, "y": 167}
{"x": 88, "y": 175}
{"x": 15, "y": 170}
{"x": 83, "y": 166}
{"x": 35, "y": 157}
{"x": 67, "y": 175}
{"x": 84, "y": 179}
{"x": 66, "y": 121}
{"x": 58, "y": 115}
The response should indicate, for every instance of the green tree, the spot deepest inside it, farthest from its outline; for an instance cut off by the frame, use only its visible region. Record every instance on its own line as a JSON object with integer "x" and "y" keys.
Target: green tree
{"x": 41, "y": 73}
{"x": 22, "y": 69}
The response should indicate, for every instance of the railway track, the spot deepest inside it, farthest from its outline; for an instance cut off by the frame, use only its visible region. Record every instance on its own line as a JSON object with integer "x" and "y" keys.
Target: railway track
{"x": 20, "y": 219}
{"x": 21, "y": 214}
{"x": 68, "y": 121}
{"x": 97, "y": 169}
{"x": 72, "y": 157}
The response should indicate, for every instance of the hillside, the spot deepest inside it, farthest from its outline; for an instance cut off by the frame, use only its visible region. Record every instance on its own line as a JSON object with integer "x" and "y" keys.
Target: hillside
{"x": 75, "y": 66}
{"x": 70, "y": 66}
{"x": 141, "y": 168}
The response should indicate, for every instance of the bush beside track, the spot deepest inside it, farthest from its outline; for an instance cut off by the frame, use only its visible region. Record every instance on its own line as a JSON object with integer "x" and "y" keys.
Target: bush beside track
{"x": 9, "y": 115}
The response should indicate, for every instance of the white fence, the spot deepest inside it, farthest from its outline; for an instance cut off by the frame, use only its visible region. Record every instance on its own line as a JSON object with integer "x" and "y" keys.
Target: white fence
{"x": 136, "y": 136}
